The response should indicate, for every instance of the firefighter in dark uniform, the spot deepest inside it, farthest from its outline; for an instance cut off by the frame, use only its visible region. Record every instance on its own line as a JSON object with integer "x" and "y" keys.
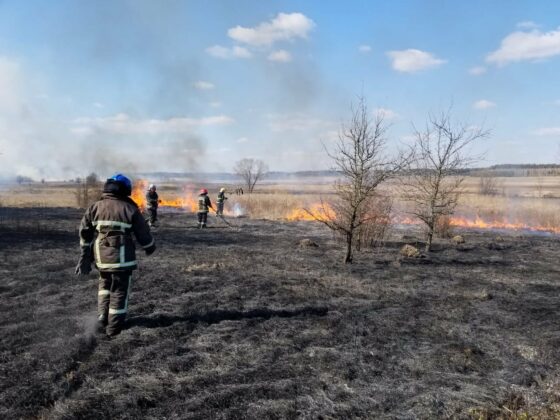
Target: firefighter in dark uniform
{"x": 115, "y": 218}
{"x": 220, "y": 201}
{"x": 152, "y": 201}
{"x": 204, "y": 205}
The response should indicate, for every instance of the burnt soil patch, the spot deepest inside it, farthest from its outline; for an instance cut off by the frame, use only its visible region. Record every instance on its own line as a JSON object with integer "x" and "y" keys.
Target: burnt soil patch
{"x": 242, "y": 322}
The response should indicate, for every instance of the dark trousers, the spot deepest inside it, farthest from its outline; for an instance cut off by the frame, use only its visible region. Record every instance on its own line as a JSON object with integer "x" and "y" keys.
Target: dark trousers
{"x": 220, "y": 209}
{"x": 152, "y": 213}
{"x": 113, "y": 294}
{"x": 202, "y": 218}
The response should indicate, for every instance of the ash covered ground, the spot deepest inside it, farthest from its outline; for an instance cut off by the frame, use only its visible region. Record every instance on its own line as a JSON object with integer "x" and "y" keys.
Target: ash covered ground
{"x": 243, "y": 323}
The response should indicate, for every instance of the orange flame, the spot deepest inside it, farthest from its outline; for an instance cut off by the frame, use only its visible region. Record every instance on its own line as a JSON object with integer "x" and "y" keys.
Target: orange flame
{"x": 187, "y": 201}
{"x": 324, "y": 211}
{"x": 314, "y": 212}
{"x": 479, "y": 223}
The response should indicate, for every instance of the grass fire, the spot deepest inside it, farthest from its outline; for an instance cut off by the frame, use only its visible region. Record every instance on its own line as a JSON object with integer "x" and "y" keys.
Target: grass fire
{"x": 257, "y": 210}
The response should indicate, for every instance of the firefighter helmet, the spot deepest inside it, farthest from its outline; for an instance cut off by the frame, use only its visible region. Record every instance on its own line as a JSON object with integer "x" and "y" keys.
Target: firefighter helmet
{"x": 121, "y": 179}
{"x": 204, "y": 191}
{"x": 222, "y": 190}
{"x": 152, "y": 187}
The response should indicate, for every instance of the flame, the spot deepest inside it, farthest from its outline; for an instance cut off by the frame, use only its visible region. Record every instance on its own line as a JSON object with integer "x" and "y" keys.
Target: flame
{"x": 324, "y": 211}
{"x": 188, "y": 201}
{"x": 479, "y": 223}
{"x": 316, "y": 211}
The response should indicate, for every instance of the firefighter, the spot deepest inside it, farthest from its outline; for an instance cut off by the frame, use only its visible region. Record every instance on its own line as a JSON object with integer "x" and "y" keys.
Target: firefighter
{"x": 220, "y": 201}
{"x": 115, "y": 218}
{"x": 152, "y": 200}
{"x": 204, "y": 205}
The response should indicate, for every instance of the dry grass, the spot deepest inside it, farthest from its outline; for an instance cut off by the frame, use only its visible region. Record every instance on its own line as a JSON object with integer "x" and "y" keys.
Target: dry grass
{"x": 533, "y": 211}
{"x": 271, "y": 206}
{"x": 532, "y": 200}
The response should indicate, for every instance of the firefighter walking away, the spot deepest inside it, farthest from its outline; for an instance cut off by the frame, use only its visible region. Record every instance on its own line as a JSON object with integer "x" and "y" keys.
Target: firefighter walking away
{"x": 220, "y": 201}
{"x": 152, "y": 201}
{"x": 204, "y": 205}
{"x": 115, "y": 218}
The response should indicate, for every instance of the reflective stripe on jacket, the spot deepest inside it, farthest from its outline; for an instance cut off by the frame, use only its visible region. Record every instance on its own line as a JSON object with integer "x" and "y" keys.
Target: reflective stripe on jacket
{"x": 115, "y": 219}
{"x": 221, "y": 197}
{"x": 203, "y": 203}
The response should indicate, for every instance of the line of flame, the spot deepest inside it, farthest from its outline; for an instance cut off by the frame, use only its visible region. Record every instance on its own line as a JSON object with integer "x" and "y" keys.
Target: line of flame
{"x": 317, "y": 211}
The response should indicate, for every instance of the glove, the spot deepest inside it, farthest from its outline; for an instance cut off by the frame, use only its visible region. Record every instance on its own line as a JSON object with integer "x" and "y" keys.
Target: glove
{"x": 150, "y": 250}
{"x": 84, "y": 264}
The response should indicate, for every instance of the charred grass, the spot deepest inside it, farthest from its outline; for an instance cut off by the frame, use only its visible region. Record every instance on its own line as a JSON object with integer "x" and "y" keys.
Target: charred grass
{"x": 244, "y": 323}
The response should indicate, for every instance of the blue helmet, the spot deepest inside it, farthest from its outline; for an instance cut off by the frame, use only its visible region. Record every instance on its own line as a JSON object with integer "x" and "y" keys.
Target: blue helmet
{"x": 123, "y": 180}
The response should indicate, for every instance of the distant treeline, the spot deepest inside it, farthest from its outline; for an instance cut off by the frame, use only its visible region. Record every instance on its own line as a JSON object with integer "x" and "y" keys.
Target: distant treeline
{"x": 504, "y": 170}
{"x": 511, "y": 170}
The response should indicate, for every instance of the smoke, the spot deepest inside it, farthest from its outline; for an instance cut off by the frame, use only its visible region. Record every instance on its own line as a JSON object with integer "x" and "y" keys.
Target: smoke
{"x": 53, "y": 135}
{"x": 238, "y": 210}
{"x": 88, "y": 324}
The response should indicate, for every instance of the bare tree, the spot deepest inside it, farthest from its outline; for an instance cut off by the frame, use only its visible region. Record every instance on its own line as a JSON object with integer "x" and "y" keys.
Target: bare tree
{"x": 88, "y": 191}
{"x": 433, "y": 184}
{"x": 488, "y": 183}
{"x": 251, "y": 171}
{"x": 360, "y": 159}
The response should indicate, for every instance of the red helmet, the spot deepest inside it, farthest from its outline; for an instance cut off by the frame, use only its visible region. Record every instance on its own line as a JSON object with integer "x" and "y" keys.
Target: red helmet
{"x": 204, "y": 191}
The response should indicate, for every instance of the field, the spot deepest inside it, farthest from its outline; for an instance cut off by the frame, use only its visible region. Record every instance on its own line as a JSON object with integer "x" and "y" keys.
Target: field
{"x": 524, "y": 201}
{"x": 244, "y": 322}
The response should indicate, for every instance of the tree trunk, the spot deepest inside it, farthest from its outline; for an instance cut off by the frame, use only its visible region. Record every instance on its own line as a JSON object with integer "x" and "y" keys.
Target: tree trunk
{"x": 348, "y": 256}
{"x": 430, "y": 238}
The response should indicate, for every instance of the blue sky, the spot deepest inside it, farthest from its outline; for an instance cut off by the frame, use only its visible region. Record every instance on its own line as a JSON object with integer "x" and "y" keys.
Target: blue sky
{"x": 196, "y": 85}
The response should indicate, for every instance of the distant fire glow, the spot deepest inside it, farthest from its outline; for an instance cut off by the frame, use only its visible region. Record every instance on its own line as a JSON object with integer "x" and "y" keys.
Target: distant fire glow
{"x": 313, "y": 212}
{"x": 317, "y": 212}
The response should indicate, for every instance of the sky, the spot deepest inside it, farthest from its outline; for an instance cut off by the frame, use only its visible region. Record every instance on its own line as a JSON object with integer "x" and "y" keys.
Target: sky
{"x": 144, "y": 86}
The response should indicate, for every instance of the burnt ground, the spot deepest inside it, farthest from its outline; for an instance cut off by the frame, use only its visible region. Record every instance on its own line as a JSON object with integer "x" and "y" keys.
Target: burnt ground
{"x": 242, "y": 323}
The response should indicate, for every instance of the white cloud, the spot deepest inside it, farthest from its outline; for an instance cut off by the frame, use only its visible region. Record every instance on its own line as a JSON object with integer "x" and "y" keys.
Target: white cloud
{"x": 281, "y": 56}
{"x": 385, "y": 113}
{"x": 225, "y": 53}
{"x": 411, "y": 60}
{"x": 528, "y": 24}
{"x": 202, "y": 85}
{"x": 215, "y": 104}
{"x": 242, "y": 140}
{"x": 241, "y": 52}
{"x": 284, "y": 27}
{"x": 123, "y": 124}
{"x": 483, "y": 104}
{"x": 98, "y": 105}
{"x": 477, "y": 71}
{"x": 548, "y": 131}
{"x": 364, "y": 49}
{"x": 520, "y": 46}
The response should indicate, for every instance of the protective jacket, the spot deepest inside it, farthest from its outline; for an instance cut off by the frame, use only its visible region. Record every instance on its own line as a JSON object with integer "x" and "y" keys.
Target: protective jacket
{"x": 152, "y": 199}
{"x": 115, "y": 218}
{"x": 221, "y": 197}
{"x": 204, "y": 203}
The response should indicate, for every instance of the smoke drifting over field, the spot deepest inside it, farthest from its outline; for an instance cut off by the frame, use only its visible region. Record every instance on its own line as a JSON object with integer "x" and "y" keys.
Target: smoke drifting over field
{"x": 46, "y": 134}
{"x": 120, "y": 91}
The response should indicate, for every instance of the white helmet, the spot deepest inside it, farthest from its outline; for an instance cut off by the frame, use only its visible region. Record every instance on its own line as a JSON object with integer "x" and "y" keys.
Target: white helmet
{"x": 152, "y": 187}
